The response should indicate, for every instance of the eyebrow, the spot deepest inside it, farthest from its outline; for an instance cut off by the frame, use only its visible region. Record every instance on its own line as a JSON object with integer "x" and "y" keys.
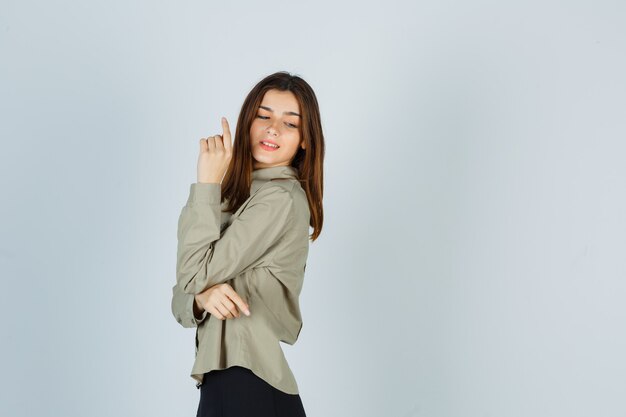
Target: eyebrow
{"x": 290, "y": 113}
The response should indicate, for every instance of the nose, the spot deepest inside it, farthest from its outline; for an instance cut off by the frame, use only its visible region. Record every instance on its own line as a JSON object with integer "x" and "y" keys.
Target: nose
{"x": 271, "y": 130}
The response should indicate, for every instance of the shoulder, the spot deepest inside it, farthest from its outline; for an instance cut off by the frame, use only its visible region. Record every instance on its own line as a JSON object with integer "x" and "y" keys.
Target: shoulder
{"x": 273, "y": 198}
{"x": 291, "y": 190}
{"x": 280, "y": 189}
{"x": 283, "y": 192}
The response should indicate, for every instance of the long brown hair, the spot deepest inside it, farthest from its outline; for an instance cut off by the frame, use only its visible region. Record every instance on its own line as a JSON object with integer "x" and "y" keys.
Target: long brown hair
{"x": 309, "y": 161}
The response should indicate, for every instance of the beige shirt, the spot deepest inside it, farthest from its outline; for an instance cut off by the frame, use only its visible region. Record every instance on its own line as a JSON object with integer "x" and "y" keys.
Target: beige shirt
{"x": 261, "y": 251}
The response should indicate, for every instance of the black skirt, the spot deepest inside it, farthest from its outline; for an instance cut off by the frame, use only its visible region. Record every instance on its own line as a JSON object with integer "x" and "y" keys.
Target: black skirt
{"x": 239, "y": 392}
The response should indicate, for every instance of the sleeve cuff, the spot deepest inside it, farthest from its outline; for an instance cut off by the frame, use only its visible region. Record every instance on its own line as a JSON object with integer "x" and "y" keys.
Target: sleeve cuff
{"x": 193, "y": 317}
{"x": 207, "y": 193}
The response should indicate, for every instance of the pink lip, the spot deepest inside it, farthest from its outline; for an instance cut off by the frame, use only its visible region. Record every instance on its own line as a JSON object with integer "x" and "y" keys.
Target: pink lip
{"x": 267, "y": 147}
{"x": 270, "y": 141}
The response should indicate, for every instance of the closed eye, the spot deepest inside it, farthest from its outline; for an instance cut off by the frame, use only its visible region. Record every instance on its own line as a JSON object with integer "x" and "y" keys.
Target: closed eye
{"x": 267, "y": 117}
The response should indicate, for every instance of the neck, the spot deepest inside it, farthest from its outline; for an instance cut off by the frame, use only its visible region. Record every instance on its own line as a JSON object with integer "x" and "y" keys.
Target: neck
{"x": 259, "y": 165}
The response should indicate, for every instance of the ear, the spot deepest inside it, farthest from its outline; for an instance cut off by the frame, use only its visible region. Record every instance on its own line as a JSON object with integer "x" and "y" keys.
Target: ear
{"x": 302, "y": 145}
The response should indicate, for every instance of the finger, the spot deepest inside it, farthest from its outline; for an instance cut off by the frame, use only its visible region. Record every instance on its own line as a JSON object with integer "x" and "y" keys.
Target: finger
{"x": 211, "y": 143}
{"x": 219, "y": 142}
{"x": 243, "y": 306}
{"x": 230, "y": 306}
{"x": 203, "y": 145}
{"x": 228, "y": 143}
{"x": 215, "y": 312}
{"x": 225, "y": 312}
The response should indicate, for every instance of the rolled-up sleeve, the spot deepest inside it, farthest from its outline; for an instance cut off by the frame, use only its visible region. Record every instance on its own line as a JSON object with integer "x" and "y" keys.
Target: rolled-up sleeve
{"x": 205, "y": 258}
{"x": 182, "y": 308}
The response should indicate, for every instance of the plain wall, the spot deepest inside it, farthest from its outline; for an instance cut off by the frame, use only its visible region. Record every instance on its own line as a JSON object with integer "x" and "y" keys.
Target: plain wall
{"x": 472, "y": 261}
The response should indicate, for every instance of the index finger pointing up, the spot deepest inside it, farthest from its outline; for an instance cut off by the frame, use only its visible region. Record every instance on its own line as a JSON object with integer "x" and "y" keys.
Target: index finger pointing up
{"x": 228, "y": 144}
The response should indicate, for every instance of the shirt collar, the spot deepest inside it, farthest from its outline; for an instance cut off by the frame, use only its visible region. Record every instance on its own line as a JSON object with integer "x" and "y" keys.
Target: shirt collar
{"x": 282, "y": 171}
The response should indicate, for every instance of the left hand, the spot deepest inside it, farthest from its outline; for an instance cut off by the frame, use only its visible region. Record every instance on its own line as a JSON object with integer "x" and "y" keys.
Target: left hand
{"x": 222, "y": 301}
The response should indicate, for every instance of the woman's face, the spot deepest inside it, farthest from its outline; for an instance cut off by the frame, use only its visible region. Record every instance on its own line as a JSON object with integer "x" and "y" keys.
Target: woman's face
{"x": 277, "y": 121}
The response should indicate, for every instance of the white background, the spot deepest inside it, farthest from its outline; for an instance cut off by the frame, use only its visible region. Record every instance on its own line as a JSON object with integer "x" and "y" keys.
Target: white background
{"x": 472, "y": 260}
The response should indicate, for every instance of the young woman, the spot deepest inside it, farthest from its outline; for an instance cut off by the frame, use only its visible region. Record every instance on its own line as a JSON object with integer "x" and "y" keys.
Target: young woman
{"x": 243, "y": 242}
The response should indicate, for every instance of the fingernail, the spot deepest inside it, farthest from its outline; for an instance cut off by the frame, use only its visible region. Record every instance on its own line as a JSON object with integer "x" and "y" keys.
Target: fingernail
{"x": 247, "y": 312}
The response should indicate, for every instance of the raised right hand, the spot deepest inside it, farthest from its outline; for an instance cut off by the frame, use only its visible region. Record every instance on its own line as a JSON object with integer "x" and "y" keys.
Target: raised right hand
{"x": 215, "y": 155}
